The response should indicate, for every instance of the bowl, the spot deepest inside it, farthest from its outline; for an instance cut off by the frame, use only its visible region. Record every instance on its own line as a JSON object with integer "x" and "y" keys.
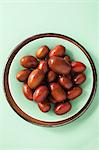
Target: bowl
{"x": 28, "y": 110}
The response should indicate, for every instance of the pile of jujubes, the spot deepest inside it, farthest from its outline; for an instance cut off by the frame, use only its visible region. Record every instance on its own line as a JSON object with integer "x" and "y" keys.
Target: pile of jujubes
{"x": 51, "y": 77}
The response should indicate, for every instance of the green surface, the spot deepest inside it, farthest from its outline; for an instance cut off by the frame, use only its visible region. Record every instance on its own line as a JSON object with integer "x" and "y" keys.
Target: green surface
{"x": 19, "y": 20}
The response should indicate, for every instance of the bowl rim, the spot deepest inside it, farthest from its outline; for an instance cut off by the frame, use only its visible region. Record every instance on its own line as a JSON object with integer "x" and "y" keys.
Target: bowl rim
{"x": 13, "y": 104}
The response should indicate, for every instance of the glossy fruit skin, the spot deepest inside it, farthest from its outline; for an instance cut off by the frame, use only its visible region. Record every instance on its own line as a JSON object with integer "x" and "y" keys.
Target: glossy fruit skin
{"x": 52, "y": 100}
{"x": 23, "y": 75}
{"x": 74, "y": 93}
{"x": 62, "y": 108}
{"x": 43, "y": 66}
{"x": 42, "y": 52}
{"x": 80, "y": 78}
{"x": 35, "y": 78}
{"x": 78, "y": 67}
{"x": 28, "y": 92}
{"x": 57, "y": 92}
{"x": 65, "y": 82}
{"x": 59, "y": 50}
{"x": 40, "y": 93}
{"x": 44, "y": 106}
{"x": 54, "y": 79}
{"x": 51, "y": 76}
{"x": 28, "y": 61}
{"x": 59, "y": 65}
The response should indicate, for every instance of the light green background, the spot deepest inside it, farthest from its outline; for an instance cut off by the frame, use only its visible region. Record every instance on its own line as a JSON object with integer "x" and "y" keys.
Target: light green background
{"x": 21, "y": 19}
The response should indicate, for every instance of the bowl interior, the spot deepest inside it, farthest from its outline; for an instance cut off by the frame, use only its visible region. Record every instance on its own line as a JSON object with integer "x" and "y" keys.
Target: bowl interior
{"x": 31, "y": 108}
